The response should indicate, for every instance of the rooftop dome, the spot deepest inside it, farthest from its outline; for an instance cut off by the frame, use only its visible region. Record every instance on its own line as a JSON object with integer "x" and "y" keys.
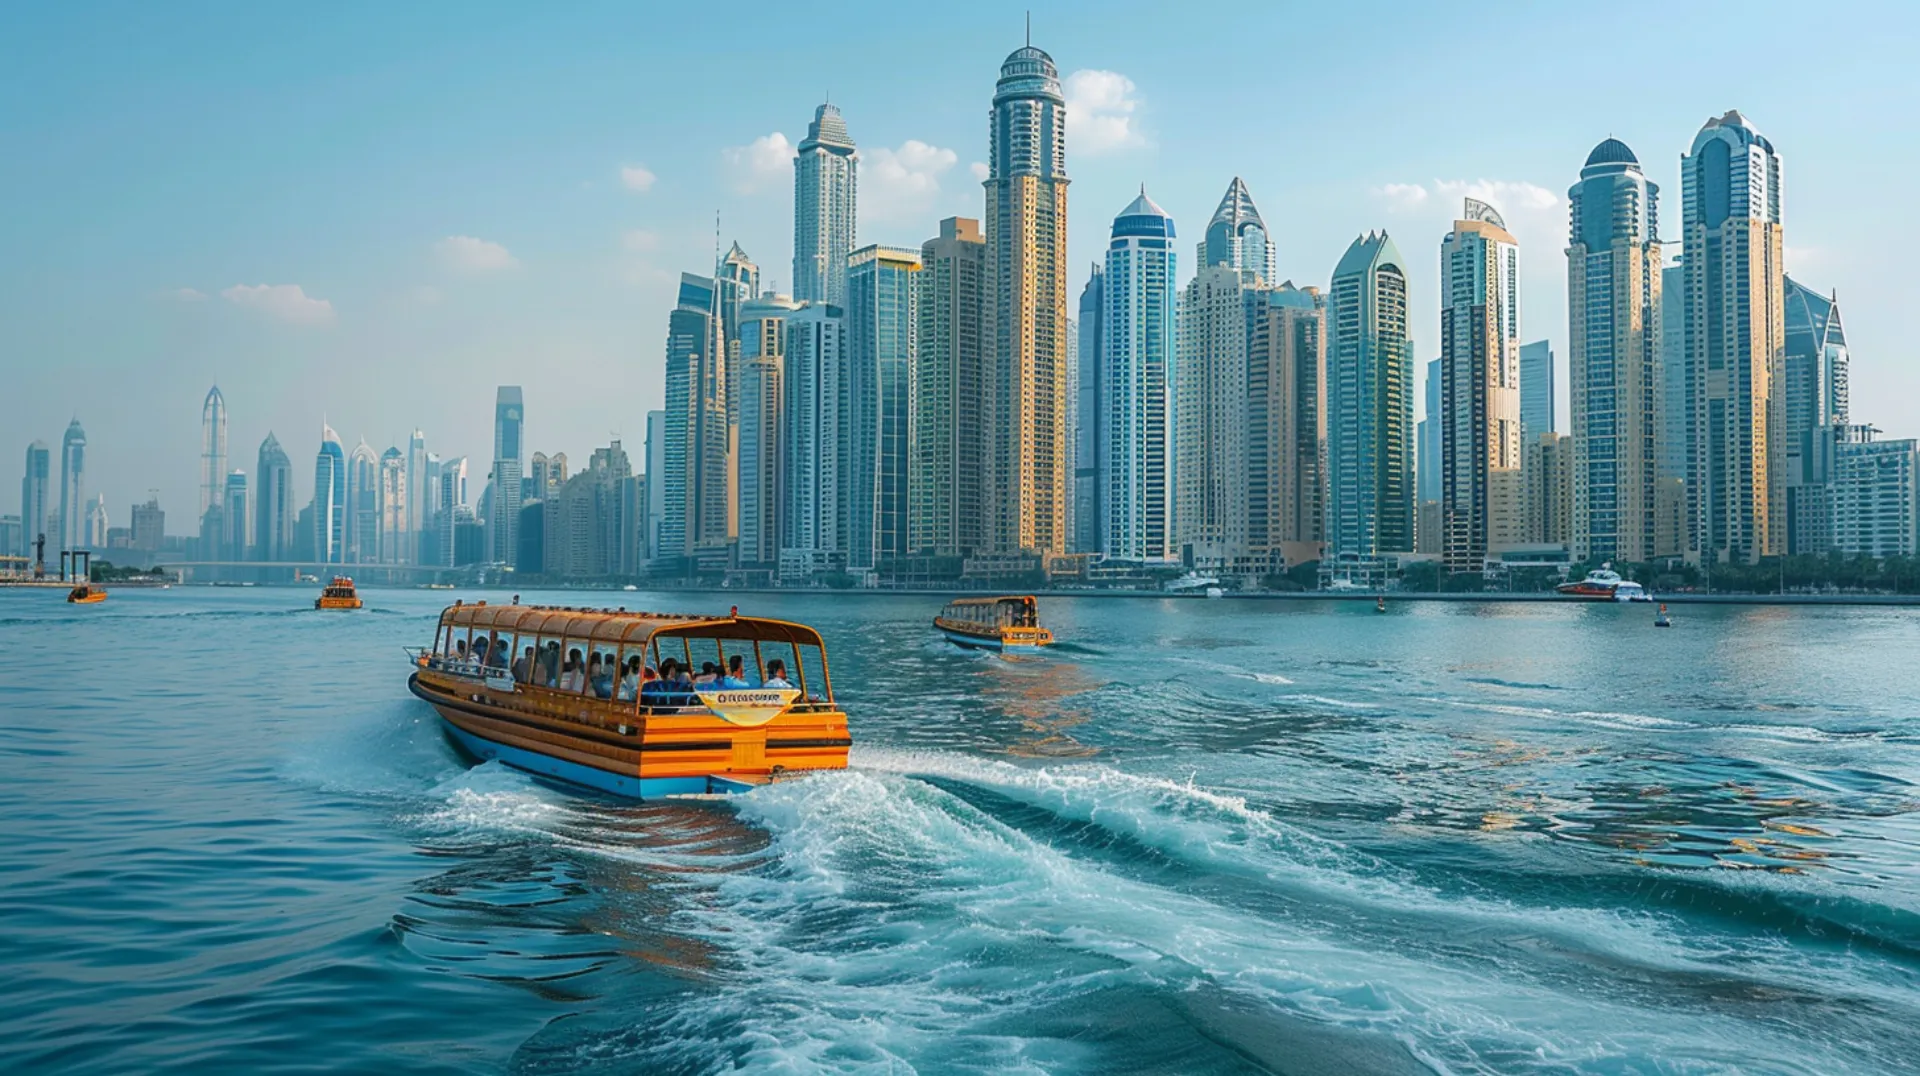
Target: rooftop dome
{"x": 1143, "y": 206}
{"x": 1028, "y": 60}
{"x": 1612, "y": 151}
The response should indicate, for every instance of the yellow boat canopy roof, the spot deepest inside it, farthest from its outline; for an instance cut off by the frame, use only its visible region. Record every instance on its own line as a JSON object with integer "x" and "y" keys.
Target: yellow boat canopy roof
{"x": 619, "y": 627}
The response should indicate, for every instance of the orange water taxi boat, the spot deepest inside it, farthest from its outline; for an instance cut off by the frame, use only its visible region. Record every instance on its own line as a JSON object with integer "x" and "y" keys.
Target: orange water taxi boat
{"x": 596, "y": 697}
{"x": 338, "y": 594}
{"x": 1004, "y": 623}
{"x": 87, "y": 594}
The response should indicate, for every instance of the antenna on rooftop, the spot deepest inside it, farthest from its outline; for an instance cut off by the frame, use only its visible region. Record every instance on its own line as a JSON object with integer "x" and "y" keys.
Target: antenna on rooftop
{"x": 1029, "y": 27}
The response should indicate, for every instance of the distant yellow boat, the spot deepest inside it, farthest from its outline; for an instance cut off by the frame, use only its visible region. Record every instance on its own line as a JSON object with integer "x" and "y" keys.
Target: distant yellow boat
{"x": 338, "y": 594}
{"x": 1005, "y": 623}
{"x": 87, "y": 594}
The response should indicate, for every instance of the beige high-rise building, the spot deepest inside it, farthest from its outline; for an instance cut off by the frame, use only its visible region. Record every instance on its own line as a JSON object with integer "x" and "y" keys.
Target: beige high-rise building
{"x": 946, "y": 510}
{"x": 1479, "y": 387}
{"x": 1735, "y": 347}
{"x": 1210, "y": 415}
{"x": 1287, "y": 423}
{"x": 1548, "y": 493}
{"x": 1614, "y": 328}
{"x": 1026, "y": 308}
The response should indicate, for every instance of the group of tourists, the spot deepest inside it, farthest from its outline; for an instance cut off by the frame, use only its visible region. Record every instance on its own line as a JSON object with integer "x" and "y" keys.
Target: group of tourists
{"x": 606, "y": 676}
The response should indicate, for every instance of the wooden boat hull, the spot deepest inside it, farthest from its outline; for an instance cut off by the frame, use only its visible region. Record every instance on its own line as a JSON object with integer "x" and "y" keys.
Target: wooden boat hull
{"x": 652, "y": 757}
{"x": 989, "y": 642}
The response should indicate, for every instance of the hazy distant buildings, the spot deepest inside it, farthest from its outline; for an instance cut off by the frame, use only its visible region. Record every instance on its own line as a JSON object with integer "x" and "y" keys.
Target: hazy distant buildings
{"x": 149, "y": 527}
{"x": 330, "y": 508}
{"x": 235, "y": 517}
{"x": 1876, "y": 493}
{"x": 422, "y": 478}
{"x": 1236, "y": 236}
{"x": 877, "y": 420}
{"x": 1133, "y": 412}
{"x": 1026, "y": 306}
{"x": 1089, "y": 444}
{"x": 1480, "y": 481}
{"x": 1614, "y": 308}
{"x": 213, "y": 452}
{"x": 948, "y": 487}
{"x": 1427, "y": 463}
{"x": 363, "y": 505}
{"x": 273, "y": 504}
{"x": 504, "y": 502}
{"x": 391, "y": 538}
{"x": 34, "y": 488}
{"x": 73, "y": 478}
{"x": 1735, "y": 339}
{"x": 1369, "y": 403}
{"x": 825, "y": 199}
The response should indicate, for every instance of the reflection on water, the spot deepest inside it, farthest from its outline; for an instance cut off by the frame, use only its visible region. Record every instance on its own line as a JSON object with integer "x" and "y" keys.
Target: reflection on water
{"x": 1204, "y": 836}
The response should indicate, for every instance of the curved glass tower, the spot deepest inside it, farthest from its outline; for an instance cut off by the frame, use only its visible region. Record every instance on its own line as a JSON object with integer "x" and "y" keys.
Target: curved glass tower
{"x": 826, "y": 176}
{"x": 213, "y": 450}
{"x": 1236, "y": 236}
{"x": 1369, "y": 403}
{"x": 1026, "y": 306}
{"x": 1136, "y": 419}
{"x": 1614, "y": 328}
{"x": 330, "y": 499}
{"x": 73, "y": 477}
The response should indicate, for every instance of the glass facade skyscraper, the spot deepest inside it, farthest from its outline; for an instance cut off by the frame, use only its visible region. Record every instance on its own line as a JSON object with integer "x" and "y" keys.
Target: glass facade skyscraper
{"x": 1369, "y": 403}
{"x": 826, "y": 175}
{"x": 34, "y": 488}
{"x": 503, "y": 508}
{"x": 877, "y": 417}
{"x": 1237, "y": 237}
{"x": 1614, "y": 313}
{"x": 73, "y": 479}
{"x": 1480, "y": 482}
{"x": 1135, "y": 410}
{"x": 213, "y": 451}
{"x": 946, "y": 493}
{"x": 330, "y": 504}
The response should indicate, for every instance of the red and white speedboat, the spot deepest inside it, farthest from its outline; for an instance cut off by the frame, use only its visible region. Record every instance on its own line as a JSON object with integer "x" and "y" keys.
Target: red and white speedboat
{"x": 1605, "y": 585}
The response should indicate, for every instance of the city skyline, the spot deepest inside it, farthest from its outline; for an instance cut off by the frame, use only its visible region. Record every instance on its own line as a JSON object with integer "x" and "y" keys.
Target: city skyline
{"x": 603, "y": 290}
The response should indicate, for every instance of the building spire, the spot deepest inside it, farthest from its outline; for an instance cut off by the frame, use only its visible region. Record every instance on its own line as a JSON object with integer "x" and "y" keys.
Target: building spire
{"x": 1029, "y": 27}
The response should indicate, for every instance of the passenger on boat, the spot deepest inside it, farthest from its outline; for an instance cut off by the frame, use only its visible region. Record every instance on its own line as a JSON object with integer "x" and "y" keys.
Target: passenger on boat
{"x": 479, "y": 652}
{"x": 709, "y": 677}
{"x": 523, "y": 668}
{"x": 600, "y": 676}
{"x": 497, "y": 653}
{"x": 630, "y": 682}
{"x": 459, "y": 654}
{"x": 777, "y": 674}
{"x": 573, "y": 676}
{"x": 736, "y": 677}
{"x": 550, "y": 666}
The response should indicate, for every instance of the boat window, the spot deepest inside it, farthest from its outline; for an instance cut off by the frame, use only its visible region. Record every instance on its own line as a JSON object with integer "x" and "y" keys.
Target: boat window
{"x": 811, "y": 661}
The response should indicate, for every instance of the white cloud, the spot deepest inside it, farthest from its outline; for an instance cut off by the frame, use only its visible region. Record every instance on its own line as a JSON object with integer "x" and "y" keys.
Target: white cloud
{"x": 187, "y": 295}
{"x": 636, "y": 178}
{"x": 1402, "y": 196}
{"x": 640, "y": 240}
{"x": 763, "y": 161}
{"x": 980, "y": 170}
{"x": 288, "y": 302}
{"x": 471, "y": 255}
{"x": 904, "y": 182}
{"x": 1100, "y": 107}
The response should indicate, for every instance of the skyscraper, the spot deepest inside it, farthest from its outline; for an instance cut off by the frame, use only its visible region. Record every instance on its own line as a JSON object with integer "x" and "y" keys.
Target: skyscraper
{"x": 1537, "y": 404}
{"x": 34, "y": 486}
{"x": 504, "y": 505}
{"x": 1481, "y": 495}
{"x": 1614, "y": 328}
{"x": 656, "y": 451}
{"x": 825, "y": 196}
{"x": 234, "y": 540}
{"x": 213, "y": 451}
{"x": 1735, "y": 338}
{"x": 877, "y": 420}
{"x": 1210, "y": 419}
{"x": 273, "y": 512}
{"x": 698, "y": 500}
{"x": 1428, "y": 464}
{"x": 1237, "y": 237}
{"x": 761, "y": 402}
{"x": 363, "y": 505}
{"x": 73, "y": 476}
{"x": 1133, "y": 412}
{"x": 330, "y": 502}
{"x": 951, "y": 428}
{"x": 1089, "y": 515}
{"x": 736, "y": 280}
{"x": 1026, "y": 308}
{"x": 1286, "y": 423}
{"x": 453, "y": 511}
{"x": 1369, "y": 402}
{"x": 1814, "y": 373}
{"x": 811, "y": 522}
{"x": 420, "y": 477}
{"x": 390, "y": 509}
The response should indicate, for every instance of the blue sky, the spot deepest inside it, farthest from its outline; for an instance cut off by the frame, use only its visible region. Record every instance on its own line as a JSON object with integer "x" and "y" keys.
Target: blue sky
{"x": 378, "y": 212}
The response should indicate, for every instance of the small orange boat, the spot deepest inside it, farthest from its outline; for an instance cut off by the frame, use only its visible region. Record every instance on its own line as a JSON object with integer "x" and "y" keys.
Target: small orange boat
{"x": 338, "y": 594}
{"x": 87, "y": 594}
{"x": 572, "y": 694}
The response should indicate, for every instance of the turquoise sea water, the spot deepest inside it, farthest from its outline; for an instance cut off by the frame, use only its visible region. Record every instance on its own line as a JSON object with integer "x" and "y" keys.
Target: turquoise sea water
{"x": 1199, "y": 836}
